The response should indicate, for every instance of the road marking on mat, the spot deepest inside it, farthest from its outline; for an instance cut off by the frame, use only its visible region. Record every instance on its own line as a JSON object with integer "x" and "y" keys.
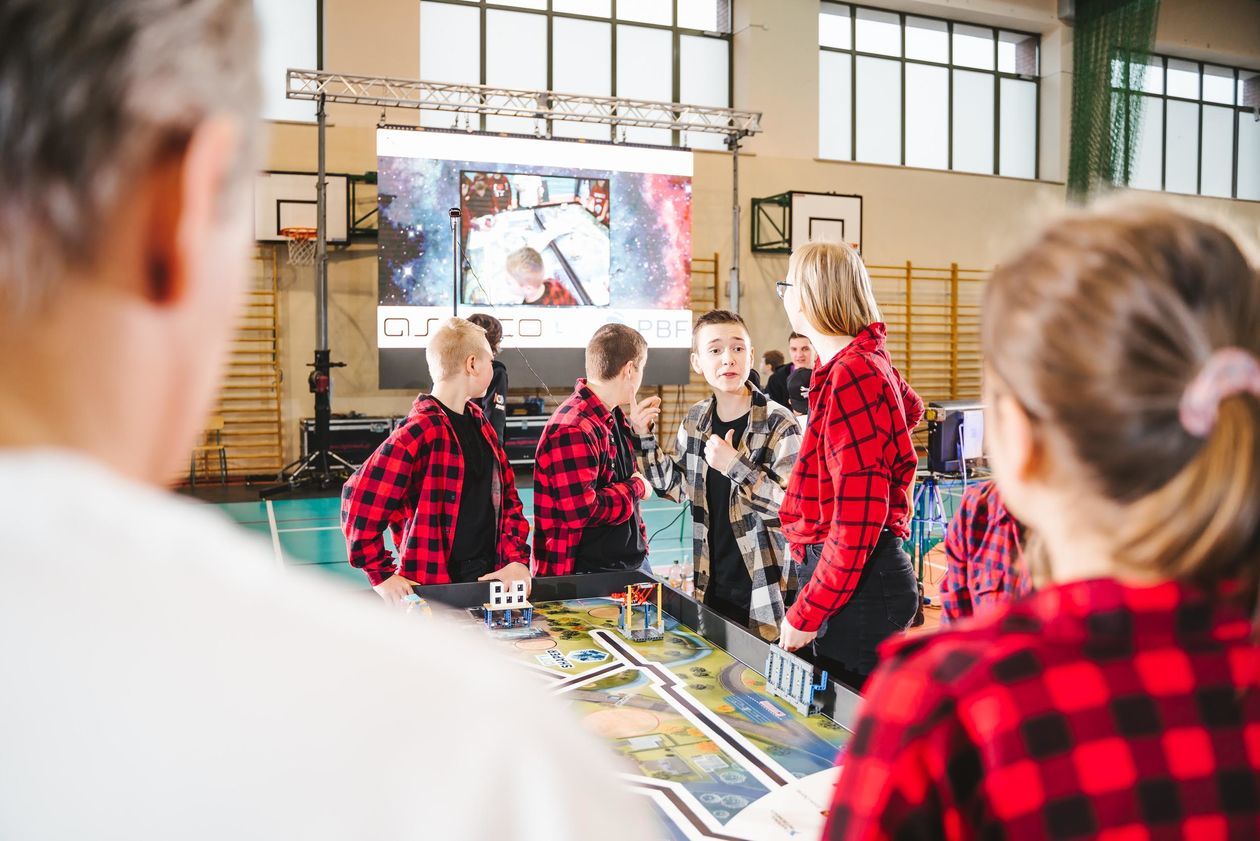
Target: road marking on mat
{"x": 673, "y": 690}
{"x": 681, "y": 806}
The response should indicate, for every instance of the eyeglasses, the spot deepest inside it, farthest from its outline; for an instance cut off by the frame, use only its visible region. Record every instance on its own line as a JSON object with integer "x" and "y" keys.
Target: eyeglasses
{"x": 781, "y": 287}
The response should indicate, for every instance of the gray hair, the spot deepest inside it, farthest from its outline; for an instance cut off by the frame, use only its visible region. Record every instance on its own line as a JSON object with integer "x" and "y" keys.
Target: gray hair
{"x": 92, "y": 94}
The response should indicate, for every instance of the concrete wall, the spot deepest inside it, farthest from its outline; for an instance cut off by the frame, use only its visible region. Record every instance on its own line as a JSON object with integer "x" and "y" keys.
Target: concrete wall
{"x": 926, "y": 216}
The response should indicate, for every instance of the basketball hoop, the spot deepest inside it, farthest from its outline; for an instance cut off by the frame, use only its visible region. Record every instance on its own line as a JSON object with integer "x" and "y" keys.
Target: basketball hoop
{"x": 301, "y": 245}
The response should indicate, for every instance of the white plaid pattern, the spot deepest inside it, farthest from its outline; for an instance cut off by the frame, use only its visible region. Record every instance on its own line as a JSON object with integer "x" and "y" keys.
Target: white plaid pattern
{"x": 758, "y": 479}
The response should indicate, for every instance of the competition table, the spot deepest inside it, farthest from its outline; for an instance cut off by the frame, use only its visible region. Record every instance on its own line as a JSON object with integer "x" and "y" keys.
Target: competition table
{"x": 716, "y": 754}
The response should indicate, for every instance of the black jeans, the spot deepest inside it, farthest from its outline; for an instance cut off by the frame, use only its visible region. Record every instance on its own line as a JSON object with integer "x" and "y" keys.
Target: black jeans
{"x": 884, "y": 603}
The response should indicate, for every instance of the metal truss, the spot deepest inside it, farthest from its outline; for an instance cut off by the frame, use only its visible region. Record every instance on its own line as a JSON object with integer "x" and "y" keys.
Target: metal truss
{"x": 507, "y": 102}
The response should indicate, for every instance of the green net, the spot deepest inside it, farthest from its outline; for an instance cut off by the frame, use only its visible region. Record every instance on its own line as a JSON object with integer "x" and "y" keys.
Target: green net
{"x": 1111, "y": 47}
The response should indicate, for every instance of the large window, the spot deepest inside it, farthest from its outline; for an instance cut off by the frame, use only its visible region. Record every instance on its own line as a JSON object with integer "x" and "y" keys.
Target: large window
{"x": 661, "y": 50}
{"x": 287, "y": 30}
{"x": 917, "y": 91}
{"x": 1199, "y": 130}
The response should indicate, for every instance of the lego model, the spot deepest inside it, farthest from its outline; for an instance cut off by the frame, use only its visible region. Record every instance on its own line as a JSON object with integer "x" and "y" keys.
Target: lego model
{"x": 508, "y": 608}
{"x": 792, "y": 679}
{"x": 635, "y": 596}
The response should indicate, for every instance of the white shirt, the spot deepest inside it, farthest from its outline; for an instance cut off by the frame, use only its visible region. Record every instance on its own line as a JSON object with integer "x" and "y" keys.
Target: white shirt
{"x": 159, "y": 679}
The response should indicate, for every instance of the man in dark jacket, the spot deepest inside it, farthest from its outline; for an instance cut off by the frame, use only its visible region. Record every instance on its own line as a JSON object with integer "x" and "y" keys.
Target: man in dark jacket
{"x": 802, "y": 353}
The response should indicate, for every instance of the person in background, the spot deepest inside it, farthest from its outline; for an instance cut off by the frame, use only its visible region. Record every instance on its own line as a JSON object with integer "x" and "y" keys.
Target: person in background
{"x": 494, "y": 404}
{"x": 771, "y": 361}
{"x": 984, "y": 555}
{"x": 847, "y": 508}
{"x": 1122, "y": 700}
{"x": 479, "y": 202}
{"x": 170, "y": 682}
{"x": 801, "y": 351}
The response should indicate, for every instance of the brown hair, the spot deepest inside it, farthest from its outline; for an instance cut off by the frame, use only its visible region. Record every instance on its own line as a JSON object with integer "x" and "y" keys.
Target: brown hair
{"x": 835, "y": 290}
{"x": 774, "y": 358}
{"x": 794, "y": 335}
{"x": 612, "y": 348}
{"x": 716, "y": 317}
{"x": 493, "y": 328}
{"x": 1097, "y": 330}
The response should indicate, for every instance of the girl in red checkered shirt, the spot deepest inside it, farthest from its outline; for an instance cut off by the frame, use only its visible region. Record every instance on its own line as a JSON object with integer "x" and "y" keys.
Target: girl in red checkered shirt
{"x": 1121, "y": 700}
{"x": 847, "y": 506}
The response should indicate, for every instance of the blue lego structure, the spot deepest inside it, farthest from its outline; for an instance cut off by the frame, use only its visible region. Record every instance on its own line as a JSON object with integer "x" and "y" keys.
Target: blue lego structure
{"x": 792, "y": 679}
{"x": 508, "y": 608}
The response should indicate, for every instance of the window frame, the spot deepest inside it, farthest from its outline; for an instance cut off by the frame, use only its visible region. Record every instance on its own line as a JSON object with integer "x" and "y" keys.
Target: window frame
{"x": 613, "y": 22}
{"x": 950, "y": 68}
{"x": 1161, "y": 60}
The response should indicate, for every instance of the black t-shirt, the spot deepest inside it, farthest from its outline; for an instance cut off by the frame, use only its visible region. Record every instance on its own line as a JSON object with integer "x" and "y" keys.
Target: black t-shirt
{"x": 776, "y": 386}
{"x": 473, "y": 548}
{"x": 729, "y": 590}
{"x": 619, "y": 547}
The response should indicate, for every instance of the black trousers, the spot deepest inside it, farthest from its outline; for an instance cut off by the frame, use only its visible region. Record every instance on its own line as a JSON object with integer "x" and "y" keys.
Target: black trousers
{"x": 884, "y": 603}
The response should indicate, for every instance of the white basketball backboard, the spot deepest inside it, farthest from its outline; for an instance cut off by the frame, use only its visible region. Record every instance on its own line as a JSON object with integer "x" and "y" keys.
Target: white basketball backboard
{"x": 287, "y": 199}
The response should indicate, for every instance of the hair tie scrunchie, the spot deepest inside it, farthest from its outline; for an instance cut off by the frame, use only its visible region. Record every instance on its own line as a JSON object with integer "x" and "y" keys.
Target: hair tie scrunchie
{"x": 1228, "y": 371}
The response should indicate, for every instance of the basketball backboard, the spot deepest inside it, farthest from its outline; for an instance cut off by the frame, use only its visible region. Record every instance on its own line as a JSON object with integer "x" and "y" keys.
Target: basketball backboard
{"x": 287, "y": 199}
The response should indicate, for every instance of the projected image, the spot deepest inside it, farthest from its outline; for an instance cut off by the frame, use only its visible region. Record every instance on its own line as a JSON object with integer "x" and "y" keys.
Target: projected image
{"x": 532, "y": 233}
{"x": 535, "y": 240}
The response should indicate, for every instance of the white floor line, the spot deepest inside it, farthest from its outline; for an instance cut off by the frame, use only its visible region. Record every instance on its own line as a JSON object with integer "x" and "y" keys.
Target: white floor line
{"x": 275, "y": 534}
{"x": 312, "y": 528}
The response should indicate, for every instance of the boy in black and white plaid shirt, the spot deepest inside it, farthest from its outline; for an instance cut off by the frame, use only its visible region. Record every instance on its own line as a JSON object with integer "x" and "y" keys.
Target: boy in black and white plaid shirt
{"x": 732, "y": 458}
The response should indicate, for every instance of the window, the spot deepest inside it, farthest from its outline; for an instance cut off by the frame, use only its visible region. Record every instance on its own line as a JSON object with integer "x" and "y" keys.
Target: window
{"x": 287, "y": 36}
{"x": 1198, "y": 131}
{"x": 663, "y": 50}
{"x": 916, "y": 91}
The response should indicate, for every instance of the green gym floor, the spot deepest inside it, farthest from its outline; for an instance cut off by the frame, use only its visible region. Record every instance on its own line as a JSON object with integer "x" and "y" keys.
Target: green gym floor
{"x": 307, "y": 532}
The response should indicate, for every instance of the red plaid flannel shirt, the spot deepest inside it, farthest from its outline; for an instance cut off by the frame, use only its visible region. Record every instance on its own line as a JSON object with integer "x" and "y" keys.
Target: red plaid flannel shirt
{"x": 411, "y": 485}
{"x": 984, "y": 558}
{"x": 555, "y": 295}
{"x": 1088, "y": 710}
{"x": 574, "y": 485}
{"x": 853, "y": 476}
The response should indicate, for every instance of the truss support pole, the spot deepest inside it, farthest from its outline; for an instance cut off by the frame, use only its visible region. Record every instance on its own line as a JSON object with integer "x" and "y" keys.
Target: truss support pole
{"x": 733, "y": 289}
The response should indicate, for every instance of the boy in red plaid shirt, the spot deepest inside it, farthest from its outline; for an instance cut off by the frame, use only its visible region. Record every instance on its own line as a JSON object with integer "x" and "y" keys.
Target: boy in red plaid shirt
{"x": 984, "y": 555}
{"x": 847, "y": 508}
{"x": 526, "y": 272}
{"x": 441, "y": 484}
{"x": 586, "y": 485}
{"x": 1122, "y": 701}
